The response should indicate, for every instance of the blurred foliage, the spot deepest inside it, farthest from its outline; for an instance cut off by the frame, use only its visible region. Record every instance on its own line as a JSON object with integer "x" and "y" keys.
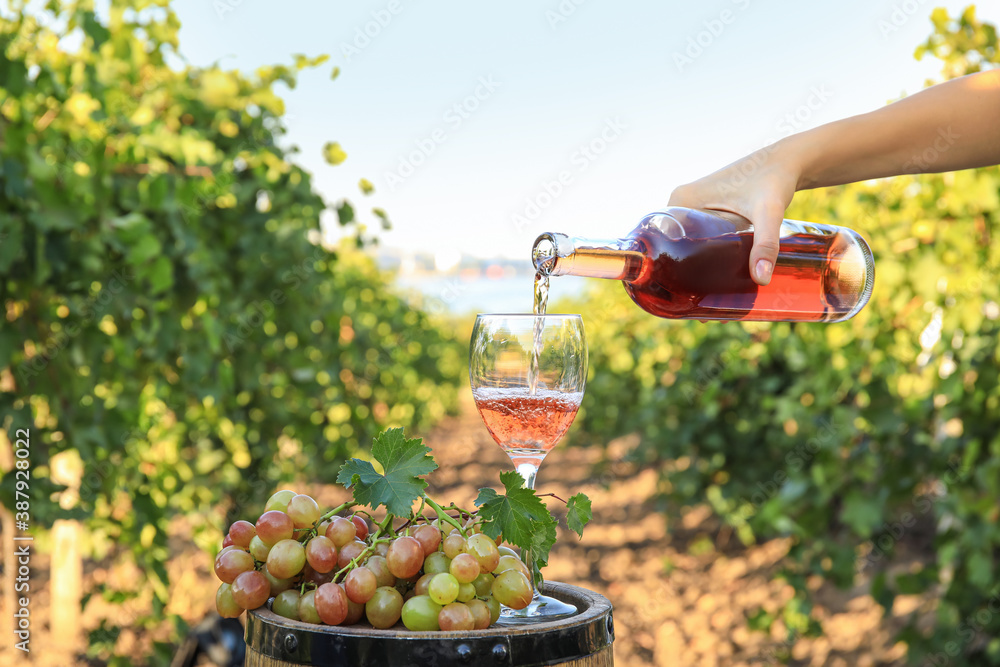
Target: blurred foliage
{"x": 175, "y": 333}
{"x": 867, "y": 442}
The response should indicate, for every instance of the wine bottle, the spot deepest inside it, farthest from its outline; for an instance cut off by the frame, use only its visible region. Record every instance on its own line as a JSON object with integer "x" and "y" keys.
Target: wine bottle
{"x": 683, "y": 263}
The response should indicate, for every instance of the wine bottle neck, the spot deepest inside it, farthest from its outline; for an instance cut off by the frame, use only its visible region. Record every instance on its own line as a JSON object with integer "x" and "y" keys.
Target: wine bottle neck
{"x": 559, "y": 255}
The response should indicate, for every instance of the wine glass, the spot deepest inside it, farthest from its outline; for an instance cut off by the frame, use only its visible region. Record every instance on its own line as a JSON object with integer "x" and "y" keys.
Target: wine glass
{"x": 528, "y": 374}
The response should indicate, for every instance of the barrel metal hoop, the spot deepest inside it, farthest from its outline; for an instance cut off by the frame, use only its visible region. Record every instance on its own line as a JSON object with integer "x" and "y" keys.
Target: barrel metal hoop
{"x": 323, "y": 646}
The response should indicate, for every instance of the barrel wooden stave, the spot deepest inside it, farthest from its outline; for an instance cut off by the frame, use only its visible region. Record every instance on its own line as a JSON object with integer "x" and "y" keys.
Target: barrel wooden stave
{"x": 583, "y": 640}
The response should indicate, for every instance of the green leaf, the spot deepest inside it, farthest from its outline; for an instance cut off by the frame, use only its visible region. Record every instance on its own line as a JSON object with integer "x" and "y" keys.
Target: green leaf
{"x": 578, "y": 513}
{"x": 403, "y": 460}
{"x": 366, "y": 186}
{"x": 520, "y": 516}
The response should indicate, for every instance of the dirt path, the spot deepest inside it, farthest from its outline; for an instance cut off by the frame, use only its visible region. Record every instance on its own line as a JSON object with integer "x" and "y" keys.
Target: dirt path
{"x": 680, "y": 599}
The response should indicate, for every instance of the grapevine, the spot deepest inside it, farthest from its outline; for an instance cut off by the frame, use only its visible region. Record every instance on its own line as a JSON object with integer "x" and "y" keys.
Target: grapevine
{"x": 429, "y": 565}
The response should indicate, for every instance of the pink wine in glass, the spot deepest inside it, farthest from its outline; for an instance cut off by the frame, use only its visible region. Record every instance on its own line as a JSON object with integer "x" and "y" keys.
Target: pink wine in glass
{"x": 526, "y": 425}
{"x": 687, "y": 264}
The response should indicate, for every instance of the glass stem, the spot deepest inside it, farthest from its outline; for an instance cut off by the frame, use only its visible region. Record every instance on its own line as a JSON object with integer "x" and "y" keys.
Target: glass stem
{"x": 529, "y": 471}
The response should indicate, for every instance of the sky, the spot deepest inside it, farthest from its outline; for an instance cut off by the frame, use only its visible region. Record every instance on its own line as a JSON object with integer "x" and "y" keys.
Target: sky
{"x": 483, "y": 124}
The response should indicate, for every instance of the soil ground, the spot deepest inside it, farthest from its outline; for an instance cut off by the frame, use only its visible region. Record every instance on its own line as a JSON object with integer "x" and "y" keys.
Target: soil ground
{"x": 681, "y": 596}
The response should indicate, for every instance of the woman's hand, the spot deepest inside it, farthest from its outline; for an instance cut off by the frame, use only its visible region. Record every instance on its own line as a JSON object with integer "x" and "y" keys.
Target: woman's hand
{"x": 759, "y": 188}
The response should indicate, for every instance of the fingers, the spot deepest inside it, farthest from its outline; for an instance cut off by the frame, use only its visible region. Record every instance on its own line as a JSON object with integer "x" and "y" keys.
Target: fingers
{"x": 766, "y": 230}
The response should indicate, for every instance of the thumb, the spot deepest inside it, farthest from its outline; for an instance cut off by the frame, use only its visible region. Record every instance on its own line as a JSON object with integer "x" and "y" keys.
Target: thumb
{"x": 764, "y": 254}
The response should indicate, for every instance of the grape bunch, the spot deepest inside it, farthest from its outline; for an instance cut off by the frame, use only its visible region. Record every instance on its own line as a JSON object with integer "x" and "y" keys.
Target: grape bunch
{"x": 437, "y": 573}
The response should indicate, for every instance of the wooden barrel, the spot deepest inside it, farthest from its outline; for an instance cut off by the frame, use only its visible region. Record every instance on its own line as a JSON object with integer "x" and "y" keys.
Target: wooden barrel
{"x": 583, "y": 640}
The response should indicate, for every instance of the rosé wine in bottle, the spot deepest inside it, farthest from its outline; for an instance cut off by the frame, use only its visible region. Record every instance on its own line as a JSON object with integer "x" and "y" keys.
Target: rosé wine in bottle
{"x": 689, "y": 264}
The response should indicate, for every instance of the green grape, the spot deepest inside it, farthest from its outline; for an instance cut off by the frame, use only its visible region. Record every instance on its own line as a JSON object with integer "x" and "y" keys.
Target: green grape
{"x": 513, "y": 589}
{"x": 494, "y": 606}
{"x": 341, "y": 531}
{"x": 506, "y": 551}
{"x": 420, "y": 614}
{"x": 287, "y": 558}
{"x": 511, "y": 563}
{"x": 454, "y": 544}
{"x": 224, "y": 602}
{"x": 303, "y": 510}
{"x": 277, "y": 585}
{"x": 279, "y": 501}
{"x": 465, "y": 568}
{"x": 443, "y": 588}
{"x": 307, "y": 608}
{"x": 251, "y": 589}
{"x": 455, "y": 617}
{"x": 274, "y": 526}
{"x": 231, "y": 563}
{"x": 378, "y": 566}
{"x": 485, "y": 551}
{"x": 483, "y": 584}
{"x": 286, "y": 604}
{"x": 258, "y": 549}
{"x": 437, "y": 563}
{"x": 480, "y": 614}
{"x": 384, "y": 609}
{"x": 466, "y": 592}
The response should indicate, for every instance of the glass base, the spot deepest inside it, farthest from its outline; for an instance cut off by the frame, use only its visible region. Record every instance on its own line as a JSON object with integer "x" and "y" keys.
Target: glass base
{"x": 542, "y": 608}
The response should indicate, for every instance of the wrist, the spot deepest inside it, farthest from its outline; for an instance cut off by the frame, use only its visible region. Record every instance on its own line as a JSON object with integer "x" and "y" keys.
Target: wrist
{"x": 794, "y": 160}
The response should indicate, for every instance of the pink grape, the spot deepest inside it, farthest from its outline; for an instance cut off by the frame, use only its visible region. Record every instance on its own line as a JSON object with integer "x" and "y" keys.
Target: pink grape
{"x": 231, "y": 563}
{"x": 422, "y": 583}
{"x": 274, "y": 526}
{"x": 360, "y": 584}
{"x": 429, "y": 537}
{"x": 331, "y": 604}
{"x": 321, "y": 554}
{"x": 456, "y": 616}
{"x": 405, "y": 557}
{"x": 241, "y": 533}
{"x": 361, "y": 525}
{"x": 341, "y": 531}
{"x": 251, "y": 590}
{"x": 465, "y": 568}
{"x": 303, "y": 510}
{"x": 227, "y": 541}
{"x": 349, "y": 552}
{"x": 287, "y": 558}
{"x": 355, "y": 611}
{"x": 480, "y": 614}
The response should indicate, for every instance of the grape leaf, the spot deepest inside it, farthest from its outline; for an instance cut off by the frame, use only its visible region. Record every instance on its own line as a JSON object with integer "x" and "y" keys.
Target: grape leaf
{"x": 520, "y": 516}
{"x": 578, "y": 513}
{"x": 403, "y": 460}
